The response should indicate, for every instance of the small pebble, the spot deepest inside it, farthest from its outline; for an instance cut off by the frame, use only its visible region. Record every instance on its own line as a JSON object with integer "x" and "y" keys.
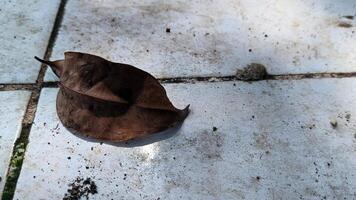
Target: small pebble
{"x": 333, "y": 123}
{"x": 213, "y": 79}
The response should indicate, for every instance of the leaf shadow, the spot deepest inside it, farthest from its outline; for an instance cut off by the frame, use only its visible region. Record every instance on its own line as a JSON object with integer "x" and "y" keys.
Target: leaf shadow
{"x": 155, "y": 137}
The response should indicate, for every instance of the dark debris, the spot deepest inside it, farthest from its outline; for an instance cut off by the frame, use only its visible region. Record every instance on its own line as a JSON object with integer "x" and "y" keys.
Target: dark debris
{"x": 81, "y": 188}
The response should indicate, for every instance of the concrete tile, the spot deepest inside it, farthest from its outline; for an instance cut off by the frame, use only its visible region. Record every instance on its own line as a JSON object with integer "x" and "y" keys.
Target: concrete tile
{"x": 273, "y": 139}
{"x": 25, "y": 30}
{"x": 12, "y": 111}
{"x": 215, "y": 38}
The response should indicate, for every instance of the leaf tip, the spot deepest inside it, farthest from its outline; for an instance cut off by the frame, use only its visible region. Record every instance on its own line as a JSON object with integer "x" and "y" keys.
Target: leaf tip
{"x": 185, "y": 112}
{"x": 42, "y": 61}
{"x": 37, "y": 58}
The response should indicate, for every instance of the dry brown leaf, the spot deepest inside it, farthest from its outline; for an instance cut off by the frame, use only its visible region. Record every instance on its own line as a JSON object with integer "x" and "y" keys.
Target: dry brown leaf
{"x": 111, "y": 101}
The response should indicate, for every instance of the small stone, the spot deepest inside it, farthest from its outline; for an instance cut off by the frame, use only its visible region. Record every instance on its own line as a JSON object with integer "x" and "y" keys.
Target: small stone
{"x": 252, "y": 72}
{"x": 213, "y": 79}
{"x": 333, "y": 123}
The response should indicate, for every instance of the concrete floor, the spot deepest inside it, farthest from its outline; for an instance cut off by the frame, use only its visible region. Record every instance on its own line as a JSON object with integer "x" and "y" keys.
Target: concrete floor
{"x": 214, "y": 38}
{"x": 271, "y": 139}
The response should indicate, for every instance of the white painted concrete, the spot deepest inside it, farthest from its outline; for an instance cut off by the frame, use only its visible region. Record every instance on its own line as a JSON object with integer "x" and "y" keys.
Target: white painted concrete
{"x": 213, "y": 38}
{"x": 12, "y": 110}
{"x": 25, "y": 29}
{"x": 273, "y": 140}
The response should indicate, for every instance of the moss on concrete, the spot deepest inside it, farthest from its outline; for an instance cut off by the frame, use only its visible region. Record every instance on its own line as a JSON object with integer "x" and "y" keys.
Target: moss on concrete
{"x": 16, "y": 163}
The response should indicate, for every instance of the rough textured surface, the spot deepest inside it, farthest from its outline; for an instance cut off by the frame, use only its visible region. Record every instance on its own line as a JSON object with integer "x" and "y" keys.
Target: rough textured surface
{"x": 260, "y": 140}
{"x": 11, "y": 113}
{"x": 25, "y": 30}
{"x": 196, "y": 38}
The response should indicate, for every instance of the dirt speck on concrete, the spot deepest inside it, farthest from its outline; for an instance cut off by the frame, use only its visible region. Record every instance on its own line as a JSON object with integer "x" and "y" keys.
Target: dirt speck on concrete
{"x": 252, "y": 72}
{"x": 344, "y": 25}
{"x": 80, "y": 188}
{"x": 308, "y": 126}
{"x": 351, "y": 17}
{"x": 348, "y": 117}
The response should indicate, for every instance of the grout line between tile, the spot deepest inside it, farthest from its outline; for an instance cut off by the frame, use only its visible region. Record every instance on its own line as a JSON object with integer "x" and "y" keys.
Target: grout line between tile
{"x": 268, "y": 77}
{"x": 10, "y": 87}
